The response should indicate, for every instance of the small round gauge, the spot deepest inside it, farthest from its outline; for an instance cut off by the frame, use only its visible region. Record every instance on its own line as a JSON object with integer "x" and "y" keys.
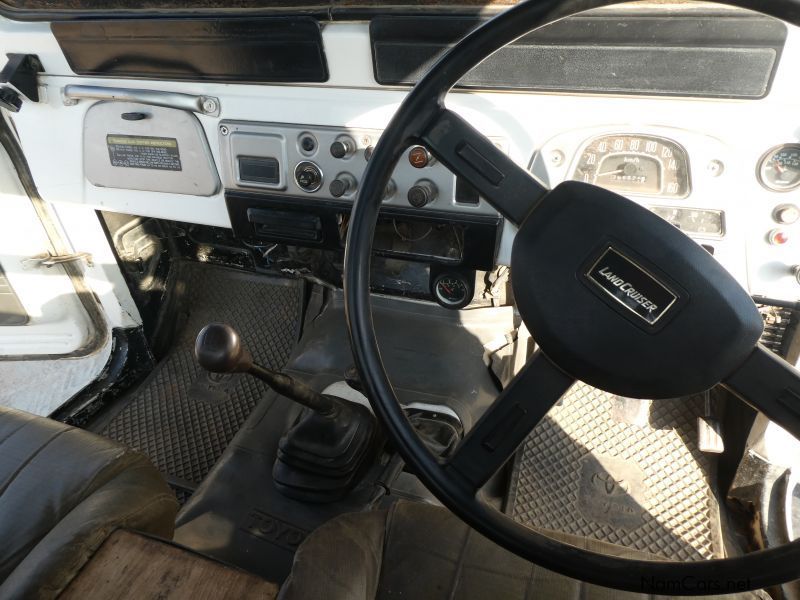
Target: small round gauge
{"x": 779, "y": 169}
{"x": 452, "y": 290}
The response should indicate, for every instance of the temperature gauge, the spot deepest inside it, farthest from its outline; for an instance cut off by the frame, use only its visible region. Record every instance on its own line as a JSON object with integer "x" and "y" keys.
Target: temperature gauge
{"x": 452, "y": 290}
{"x": 779, "y": 169}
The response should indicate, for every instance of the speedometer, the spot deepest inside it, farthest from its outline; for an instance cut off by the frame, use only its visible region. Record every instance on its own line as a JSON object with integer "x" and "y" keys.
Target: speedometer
{"x": 635, "y": 164}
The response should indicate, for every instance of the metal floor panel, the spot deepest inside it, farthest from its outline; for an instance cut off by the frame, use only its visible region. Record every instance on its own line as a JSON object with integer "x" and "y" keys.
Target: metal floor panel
{"x": 624, "y": 471}
{"x": 183, "y": 417}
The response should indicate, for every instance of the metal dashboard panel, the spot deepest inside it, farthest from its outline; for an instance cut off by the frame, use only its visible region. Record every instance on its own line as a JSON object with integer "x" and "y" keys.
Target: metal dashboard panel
{"x": 134, "y": 146}
{"x": 284, "y": 142}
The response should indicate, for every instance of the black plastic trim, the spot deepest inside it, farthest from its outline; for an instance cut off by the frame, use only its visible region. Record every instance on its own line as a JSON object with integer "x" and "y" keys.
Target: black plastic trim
{"x": 734, "y": 55}
{"x": 318, "y": 10}
{"x": 256, "y": 49}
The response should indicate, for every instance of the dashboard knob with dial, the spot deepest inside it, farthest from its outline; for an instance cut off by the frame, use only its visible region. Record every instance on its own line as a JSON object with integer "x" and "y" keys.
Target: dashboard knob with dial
{"x": 421, "y": 193}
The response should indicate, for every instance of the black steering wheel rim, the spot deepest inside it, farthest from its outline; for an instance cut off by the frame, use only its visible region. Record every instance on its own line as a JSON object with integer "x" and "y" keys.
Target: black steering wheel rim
{"x": 422, "y": 106}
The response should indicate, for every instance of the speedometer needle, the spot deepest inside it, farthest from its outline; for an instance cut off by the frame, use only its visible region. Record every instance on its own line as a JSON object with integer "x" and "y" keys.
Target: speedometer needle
{"x": 611, "y": 172}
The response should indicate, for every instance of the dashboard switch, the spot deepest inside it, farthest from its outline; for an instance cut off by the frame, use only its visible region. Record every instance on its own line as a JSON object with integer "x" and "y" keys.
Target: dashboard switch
{"x": 308, "y": 176}
{"x": 786, "y": 214}
{"x": 422, "y": 193}
{"x": 343, "y": 147}
{"x": 778, "y": 237}
{"x": 419, "y": 157}
{"x": 343, "y": 185}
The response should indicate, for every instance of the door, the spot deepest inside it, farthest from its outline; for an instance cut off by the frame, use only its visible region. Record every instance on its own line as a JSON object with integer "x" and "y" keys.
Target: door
{"x": 54, "y": 338}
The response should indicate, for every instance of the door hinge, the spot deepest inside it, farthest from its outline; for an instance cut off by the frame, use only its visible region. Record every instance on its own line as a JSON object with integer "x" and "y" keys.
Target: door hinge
{"x": 48, "y": 260}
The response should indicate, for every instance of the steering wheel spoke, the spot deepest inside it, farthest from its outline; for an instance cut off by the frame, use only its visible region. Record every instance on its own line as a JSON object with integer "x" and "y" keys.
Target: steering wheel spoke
{"x": 469, "y": 154}
{"x": 509, "y": 420}
{"x": 771, "y": 385}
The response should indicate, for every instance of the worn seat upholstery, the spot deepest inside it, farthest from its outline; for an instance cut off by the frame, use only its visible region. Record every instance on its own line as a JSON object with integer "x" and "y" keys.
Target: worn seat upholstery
{"x": 424, "y": 552}
{"x": 62, "y": 492}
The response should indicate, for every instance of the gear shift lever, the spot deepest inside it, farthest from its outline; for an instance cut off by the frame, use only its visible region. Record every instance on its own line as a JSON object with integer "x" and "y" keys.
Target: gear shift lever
{"x": 219, "y": 349}
{"x": 321, "y": 455}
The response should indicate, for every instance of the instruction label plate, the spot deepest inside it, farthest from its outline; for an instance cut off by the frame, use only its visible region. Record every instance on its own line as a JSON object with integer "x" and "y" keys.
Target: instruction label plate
{"x": 144, "y": 152}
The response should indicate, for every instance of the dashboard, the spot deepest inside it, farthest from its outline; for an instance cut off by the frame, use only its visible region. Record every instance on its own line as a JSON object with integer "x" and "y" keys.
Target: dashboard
{"x": 284, "y": 161}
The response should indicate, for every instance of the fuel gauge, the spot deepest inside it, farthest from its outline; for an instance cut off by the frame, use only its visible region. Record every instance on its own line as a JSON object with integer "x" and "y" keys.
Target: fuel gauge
{"x": 779, "y": 169}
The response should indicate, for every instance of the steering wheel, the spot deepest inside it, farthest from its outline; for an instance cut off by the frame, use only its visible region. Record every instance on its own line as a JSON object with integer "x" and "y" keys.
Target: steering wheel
{"x": 613, "y": 295}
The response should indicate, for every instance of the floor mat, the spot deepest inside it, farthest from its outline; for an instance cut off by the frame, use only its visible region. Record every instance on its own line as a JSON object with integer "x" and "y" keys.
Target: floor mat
{"x": 624, "y": 471}
{"x": 183, "y": 417}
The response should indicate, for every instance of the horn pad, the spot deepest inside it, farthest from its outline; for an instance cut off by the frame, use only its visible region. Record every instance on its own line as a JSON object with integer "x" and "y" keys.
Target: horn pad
{"x": 624, "y": 301}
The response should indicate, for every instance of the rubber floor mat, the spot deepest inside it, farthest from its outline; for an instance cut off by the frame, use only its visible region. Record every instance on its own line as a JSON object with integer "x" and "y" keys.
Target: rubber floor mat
{"x": 183, "y": 417}
{"x": 620, "y": 470}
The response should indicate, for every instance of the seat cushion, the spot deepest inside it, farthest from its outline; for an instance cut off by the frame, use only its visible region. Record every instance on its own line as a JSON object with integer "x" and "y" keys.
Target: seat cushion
{"x": 424, "y": 552}
{"x": 62, "y": 492}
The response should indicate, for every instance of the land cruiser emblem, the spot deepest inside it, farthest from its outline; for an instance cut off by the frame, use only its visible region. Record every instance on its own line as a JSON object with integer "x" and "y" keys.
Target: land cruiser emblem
{"x": 631, "y": 286}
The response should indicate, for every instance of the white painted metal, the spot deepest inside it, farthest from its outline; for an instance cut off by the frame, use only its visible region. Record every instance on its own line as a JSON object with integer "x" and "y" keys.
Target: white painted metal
{"x": 58, "y": 321}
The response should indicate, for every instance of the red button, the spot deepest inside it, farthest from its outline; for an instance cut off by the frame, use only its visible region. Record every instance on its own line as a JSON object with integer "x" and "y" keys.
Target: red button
{"x": 778, "y": 237}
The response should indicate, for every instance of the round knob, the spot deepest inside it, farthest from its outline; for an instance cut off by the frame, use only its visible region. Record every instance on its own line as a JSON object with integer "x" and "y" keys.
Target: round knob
{"x": 786, "y": 214}
{"x": 422, "y": 193}
{"x": 343, "y": 184}
{"x": 368, "y": 152}
{"x": 343, "y": 147}
{"x": 308, "y": 176}
{"x": 796, "y": 271}
{"x": 219, "y": 349}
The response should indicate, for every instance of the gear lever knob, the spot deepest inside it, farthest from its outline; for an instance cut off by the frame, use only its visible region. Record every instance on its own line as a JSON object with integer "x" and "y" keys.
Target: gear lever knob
{"x": 219, "y": 349}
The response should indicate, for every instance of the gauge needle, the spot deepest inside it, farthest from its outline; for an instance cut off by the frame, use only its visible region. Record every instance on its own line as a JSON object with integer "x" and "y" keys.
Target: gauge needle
{"x": 611, "y": 172}
{"x": 778, "y": 167}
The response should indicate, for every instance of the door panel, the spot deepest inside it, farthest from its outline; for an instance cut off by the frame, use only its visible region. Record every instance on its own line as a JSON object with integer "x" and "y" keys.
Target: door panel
{"x": 50, "y": 345}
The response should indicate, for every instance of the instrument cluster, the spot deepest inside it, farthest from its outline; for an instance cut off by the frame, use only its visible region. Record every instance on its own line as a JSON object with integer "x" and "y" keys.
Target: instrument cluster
{"x": 635, "y": 165}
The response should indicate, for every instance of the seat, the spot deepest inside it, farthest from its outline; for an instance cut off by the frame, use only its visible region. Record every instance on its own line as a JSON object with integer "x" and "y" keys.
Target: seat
{"x": 424, "y": 552}
{"x": 63, "y": 491}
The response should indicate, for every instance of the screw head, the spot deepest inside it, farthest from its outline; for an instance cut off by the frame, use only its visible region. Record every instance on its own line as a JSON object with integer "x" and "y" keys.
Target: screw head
{"x": 209, "y": 105}
{"x": 224, "y": 130}
{"x": 715, "y": 168}
{"x": 556, "y": 158}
